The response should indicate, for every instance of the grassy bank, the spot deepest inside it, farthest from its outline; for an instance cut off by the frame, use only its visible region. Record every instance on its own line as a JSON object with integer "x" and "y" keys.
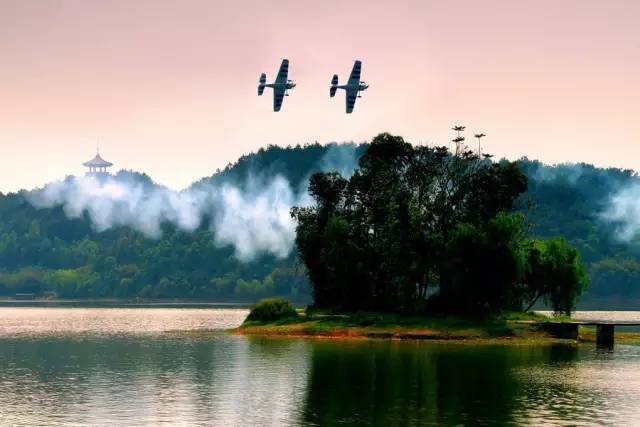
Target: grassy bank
{"x": 518, "y": 327}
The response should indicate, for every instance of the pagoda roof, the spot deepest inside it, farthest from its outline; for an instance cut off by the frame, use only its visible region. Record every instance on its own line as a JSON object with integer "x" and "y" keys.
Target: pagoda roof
{"x": 97, "y": 161}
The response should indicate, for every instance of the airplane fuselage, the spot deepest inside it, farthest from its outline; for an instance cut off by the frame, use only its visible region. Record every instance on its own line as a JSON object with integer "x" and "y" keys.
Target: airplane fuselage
{"x": 287, "y": 86}
{"x": 360, "y": 87}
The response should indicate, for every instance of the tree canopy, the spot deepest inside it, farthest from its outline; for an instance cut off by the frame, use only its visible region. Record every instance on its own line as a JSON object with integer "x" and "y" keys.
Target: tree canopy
{"x": 420, "y": 228}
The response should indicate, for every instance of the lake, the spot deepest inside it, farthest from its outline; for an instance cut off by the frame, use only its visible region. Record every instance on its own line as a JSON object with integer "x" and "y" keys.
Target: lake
{"x": 131, "y": 366}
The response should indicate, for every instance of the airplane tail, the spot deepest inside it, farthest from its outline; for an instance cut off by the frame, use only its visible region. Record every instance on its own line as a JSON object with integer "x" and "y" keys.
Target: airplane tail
{"x": 334, "y": 84}
{"x": 262, "y": 82}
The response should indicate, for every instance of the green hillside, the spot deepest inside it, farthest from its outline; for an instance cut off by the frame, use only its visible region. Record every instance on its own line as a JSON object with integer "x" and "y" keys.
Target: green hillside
{"x": 42, "y": 251}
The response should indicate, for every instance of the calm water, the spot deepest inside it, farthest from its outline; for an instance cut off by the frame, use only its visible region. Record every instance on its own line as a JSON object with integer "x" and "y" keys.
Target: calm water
{"x": 121, "y": 367}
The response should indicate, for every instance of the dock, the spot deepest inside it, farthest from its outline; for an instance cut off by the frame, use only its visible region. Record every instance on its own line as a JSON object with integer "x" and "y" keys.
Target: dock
{"x": 605, "y": 331}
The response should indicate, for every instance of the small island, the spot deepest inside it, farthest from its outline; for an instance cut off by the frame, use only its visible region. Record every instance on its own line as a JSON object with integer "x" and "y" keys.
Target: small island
{"x": 276, "y": 317}
{"x": 424, "y": 243}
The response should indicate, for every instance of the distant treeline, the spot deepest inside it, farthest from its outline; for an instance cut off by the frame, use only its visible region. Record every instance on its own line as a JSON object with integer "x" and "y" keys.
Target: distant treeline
{"x": 43, "y": 251}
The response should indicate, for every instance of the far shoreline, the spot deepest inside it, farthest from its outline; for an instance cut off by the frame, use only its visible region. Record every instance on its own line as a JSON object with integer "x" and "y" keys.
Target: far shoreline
{"x": 123, "y": 303}
{"x": 7, "y": 301}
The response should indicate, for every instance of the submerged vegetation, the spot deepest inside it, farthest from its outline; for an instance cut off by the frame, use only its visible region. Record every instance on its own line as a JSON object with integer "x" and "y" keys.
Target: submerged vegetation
{"x": 418, "y": 230}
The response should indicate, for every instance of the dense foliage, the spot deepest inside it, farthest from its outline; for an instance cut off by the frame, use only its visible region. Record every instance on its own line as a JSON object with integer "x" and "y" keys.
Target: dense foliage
{"x": 43, "y": 251}
{"x": 270, "y": 309}
{"x": 415, "y": 221}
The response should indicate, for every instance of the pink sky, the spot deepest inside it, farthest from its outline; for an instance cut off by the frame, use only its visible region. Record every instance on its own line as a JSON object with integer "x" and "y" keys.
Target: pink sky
{"x": 169, "y": 87}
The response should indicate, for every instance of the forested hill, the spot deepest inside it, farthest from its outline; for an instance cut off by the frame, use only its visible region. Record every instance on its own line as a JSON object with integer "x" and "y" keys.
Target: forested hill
{"x": 295, "y": 164}
{"x": 42, "y": 251}
{"x": 598, "y": 210}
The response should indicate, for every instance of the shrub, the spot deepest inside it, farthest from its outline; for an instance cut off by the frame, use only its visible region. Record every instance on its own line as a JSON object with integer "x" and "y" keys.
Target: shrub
{"x": 272, "y": 309}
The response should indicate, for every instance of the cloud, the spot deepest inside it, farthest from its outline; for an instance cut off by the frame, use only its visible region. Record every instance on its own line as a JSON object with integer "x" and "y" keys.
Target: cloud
{"x": 255, "y": 219}
{"x": 623, "y": 211}
{"x": 252, "y": 216}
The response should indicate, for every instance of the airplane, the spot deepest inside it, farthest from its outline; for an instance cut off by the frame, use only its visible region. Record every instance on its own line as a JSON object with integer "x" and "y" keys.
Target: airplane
{"x": 353, "y": 87}
{"x": 280, "y": 86}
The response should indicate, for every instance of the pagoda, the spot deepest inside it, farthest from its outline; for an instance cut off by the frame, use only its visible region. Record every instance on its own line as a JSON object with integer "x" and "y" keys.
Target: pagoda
{"x": 97, "y": 166}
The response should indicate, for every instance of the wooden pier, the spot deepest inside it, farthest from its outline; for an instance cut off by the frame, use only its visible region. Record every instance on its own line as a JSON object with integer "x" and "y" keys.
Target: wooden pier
{"x": 605, "y": 331}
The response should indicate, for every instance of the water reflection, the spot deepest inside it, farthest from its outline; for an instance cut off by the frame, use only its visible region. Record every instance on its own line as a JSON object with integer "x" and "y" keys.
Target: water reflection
{"x": 149, "y": 379}
{"x": 108, "y": 380}
{"x": 390, "y": 383}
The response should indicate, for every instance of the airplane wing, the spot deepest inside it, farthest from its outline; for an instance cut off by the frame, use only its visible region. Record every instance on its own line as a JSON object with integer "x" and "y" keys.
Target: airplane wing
{"x": 283, "y": 72}
{"x": 352, "y": 95}
{"x": 278, "y": 96}
{"x": 354, "y": 78}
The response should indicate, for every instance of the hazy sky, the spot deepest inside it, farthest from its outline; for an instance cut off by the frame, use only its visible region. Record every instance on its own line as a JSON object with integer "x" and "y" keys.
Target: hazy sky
{"x": 169, "y": 87}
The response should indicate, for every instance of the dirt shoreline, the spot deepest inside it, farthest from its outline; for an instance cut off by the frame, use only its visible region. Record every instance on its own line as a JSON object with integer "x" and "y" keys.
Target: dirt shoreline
{"x": 514, "y": 333}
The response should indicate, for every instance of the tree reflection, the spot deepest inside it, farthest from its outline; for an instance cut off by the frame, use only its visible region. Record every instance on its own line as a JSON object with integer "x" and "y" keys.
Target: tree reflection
{"x": 391, "y": 383}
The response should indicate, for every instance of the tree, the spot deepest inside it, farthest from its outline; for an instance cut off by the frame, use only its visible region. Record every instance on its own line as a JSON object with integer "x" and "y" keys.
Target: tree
{"x": 483, "y": 265}
{"x": 410, "y": 218}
